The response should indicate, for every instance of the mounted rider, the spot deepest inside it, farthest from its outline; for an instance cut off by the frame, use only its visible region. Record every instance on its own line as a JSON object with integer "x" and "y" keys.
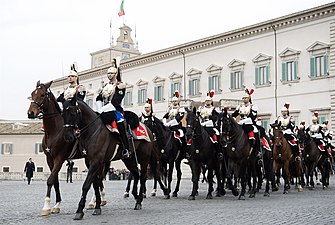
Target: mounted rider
{"x": 315, "y": 131}
{"x": 74, "y": 86}
{"x": 248, "y": 114}
{"x": 148, "y": 111}
{"x": 109, "y": 101}
{"x": 173, "y": 118}
{"x": 327, "y": 137}
{"x": 287, "y": 125}
{"x": 208, "y": 116}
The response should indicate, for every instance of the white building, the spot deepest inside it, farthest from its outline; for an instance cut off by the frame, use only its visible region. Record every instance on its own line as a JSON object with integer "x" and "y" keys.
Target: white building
{"x": 287, "y": 59}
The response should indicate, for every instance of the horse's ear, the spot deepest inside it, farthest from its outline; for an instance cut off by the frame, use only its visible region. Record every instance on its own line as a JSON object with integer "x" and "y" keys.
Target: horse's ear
{"x": 194, "y": 110}
{"x": 38, "y": 83}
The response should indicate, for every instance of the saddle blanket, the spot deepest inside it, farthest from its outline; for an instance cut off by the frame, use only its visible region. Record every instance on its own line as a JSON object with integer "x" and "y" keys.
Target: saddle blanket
{"x": 266, "y": 144}
{"x": 139, "y": 133}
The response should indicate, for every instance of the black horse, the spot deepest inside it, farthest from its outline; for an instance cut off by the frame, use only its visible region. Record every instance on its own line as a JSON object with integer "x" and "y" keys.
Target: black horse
{"x": 310, "y": 155}
{"x": 98, "y": 145}
{"x": 202, "y": 152}
{"x": 239, "y": 154}
{"x": 171, "y": 150}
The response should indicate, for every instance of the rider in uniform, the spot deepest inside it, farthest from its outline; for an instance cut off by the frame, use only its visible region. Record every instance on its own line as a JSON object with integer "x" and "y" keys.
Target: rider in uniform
{"x": 327, "y": 137}
{"x": 315, "y": 131}
{"x": 248, "y": 114}
{"x": 74, "y": 86}
{"x": 287, "y": 125}
{"x": 173, "y": 119}
{"x": 148, "y": 111}
{"x": 109, "y": 101}
{"x": 208, "y": 116}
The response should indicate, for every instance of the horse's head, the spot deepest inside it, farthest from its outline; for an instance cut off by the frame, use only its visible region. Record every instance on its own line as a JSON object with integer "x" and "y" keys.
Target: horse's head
{"x": 301, "y": 135}
{"x": 72, "y": 117}
{"x": 277, "y": 135}
{"x": 39, "y": 100}
{"x": 193, "y": 123}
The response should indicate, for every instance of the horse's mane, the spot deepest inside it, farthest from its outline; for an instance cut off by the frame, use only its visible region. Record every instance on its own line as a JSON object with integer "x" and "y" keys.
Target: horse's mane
{"x": 54, "y": 100}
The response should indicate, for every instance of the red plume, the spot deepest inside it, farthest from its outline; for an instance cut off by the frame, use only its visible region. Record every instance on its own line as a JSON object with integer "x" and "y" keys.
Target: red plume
{"x": 302, "y": 122}
{"x": 316, "y": 114}
{"x": 326, "y": 122}
{"x": 287, "y": 105}
{"x": 251, "y": 91}
{"x": 176, "y": 93}
{"x": 211, "y": 93}
{"x": 149, "y": 101}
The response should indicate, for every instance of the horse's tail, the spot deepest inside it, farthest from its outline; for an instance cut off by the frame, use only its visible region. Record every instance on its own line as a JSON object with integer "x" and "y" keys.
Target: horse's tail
{"x": 155, "y": 166}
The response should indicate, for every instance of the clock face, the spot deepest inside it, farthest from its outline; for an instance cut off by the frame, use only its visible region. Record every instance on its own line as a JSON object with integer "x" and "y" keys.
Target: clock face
{"x": 125, "y": 45}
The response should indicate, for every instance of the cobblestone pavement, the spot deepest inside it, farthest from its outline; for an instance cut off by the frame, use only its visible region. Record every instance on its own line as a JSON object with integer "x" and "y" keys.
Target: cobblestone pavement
{"x": 21, "y": 204}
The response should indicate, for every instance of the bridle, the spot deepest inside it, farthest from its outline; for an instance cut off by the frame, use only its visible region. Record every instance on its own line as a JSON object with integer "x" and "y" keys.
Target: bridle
{"x": 40, "y": 105}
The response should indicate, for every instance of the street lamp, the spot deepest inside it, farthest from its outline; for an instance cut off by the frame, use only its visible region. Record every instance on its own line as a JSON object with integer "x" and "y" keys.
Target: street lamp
{"x": 276, "y": 74}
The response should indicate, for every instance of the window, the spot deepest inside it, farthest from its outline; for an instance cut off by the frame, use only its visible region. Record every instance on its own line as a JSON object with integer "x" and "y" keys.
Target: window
{"x": 319, "y": 66}
{"x": 289, "y": 71}
{"x": 128, "y": 98}
{"x": 194, "y": 87}
{"x": 75, "y": 169}
{"x": 262, "y": 75}
{"x": 214, "y": 83}
{"x": 142, "y": 96}
{"x": 125, "y": 56}
{"x": 322, "y": 118}
{"x": 5, "y": 169}
{"x": 6, "y": 148}
{"x": 265, "y": 125}
{"x": 38, "y": 148}
{"x": 158, "y": 93}
{"x": 236, "y": 80}
{"x": 89, "y": 102}
{"x": 175, "y": 86}
{"x": 39, "y": 169}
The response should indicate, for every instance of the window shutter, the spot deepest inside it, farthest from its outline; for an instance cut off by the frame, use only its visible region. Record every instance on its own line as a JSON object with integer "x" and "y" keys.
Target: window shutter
{"x": 295, "y": 63}
{"x": 232, "y": 81}
{"x": 210, "y": 83}
{"x": 145, "y": 95}
{"x": 267, "y": 74}
{"x": 242, "y": 80}
{"x": 325, "y": 58}
{"x": 172, "y": 91}
{"x": 198, "y": 86}
{"x": 257, "y": 76}
{"x": 36, "y": 148}
{"x": 283, "y": 72}
{"x": 139, "y": 96}
{"x": 155, "y": 93}
{"x": 190, "y": 88}
{"x": 11, "y": 149}
{"x": 312, "y": 66}
{"x": 2, "y": 149}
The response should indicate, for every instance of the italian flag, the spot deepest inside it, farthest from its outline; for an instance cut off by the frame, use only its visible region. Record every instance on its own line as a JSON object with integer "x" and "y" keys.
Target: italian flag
{"x": 121, "y": 12}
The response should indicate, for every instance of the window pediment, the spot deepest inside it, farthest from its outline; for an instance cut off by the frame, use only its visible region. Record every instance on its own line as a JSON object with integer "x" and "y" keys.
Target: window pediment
{"x": 288, "y": 52}
{"x": 193, "y": 72}
{"x": 158, "y": 79}
{"x": 128, "y": 86}
{"x": 214, "y": 68}
{"x": 236, "y": 63}
{"x": 262, "y": 58}
{"x": 317, "y": 46}
{"x": 141, "y": 83}
{"x": 174, "y": 76}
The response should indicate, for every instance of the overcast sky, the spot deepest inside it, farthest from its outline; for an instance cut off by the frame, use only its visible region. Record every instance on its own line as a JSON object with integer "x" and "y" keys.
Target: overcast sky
{"x": 39, "y": 39}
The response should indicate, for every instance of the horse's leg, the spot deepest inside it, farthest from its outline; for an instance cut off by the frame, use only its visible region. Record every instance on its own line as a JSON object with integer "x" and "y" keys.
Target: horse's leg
{"x": 96, "y": 186}
{"x": 92, "y": 171}
{"x": 126, "y": 193}
{"x": 170, "y": 173}
{"x": 286, "y": 176}
{"x": 299, "y": 173}
{"x": 154, "y": 190}
{"x": 143, "y": 179}
{"x": 178, "y": 168}
{"x": 196, "y": 170}
{"x": 210, "y": 181}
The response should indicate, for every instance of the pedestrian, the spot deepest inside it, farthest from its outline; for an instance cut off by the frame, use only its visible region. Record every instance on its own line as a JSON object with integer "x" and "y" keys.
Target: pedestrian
{"x": 69, "y": 165}
{"x": 29, "y": 169}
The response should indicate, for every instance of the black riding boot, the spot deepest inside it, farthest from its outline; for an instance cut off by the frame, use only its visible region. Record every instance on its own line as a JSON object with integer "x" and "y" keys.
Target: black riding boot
{"x": 295, "y": 152}
{"x": 124, "y": 139}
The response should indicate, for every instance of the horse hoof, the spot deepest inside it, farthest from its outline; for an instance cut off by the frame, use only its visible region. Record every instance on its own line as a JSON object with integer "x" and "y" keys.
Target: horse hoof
{"x": 46, "y": 212}
{"x": 174, "y": 194}
{"x": 138, "y": 206}
{"x": 285, "y": 192}
{"x": 55, "y": 210}
{"x": 300, "y": 190}
{"x": 266, "y": 194}
{"x": 79, "y": 216}
{"x": 144, "y": 195}
{"x": 191, "y": 197}
{"x": 153, "y": 194}
{"x": 242, "y": 197}
{"x": 90, "y": 206}
{"x": 96, "y": 212}
{"x": 251, "y": 195}
{"x": 209, "y": 197}
{"x": 235, "y": 193}
{"x": 126, "y": 195}
{"x": 103, "y": 203}
{"x": 166, "y": 196}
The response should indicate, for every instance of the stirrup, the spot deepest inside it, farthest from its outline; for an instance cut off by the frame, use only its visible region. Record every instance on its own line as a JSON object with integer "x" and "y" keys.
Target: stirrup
{"x": 125, "y": 153}
{"x": 220, "y": 156}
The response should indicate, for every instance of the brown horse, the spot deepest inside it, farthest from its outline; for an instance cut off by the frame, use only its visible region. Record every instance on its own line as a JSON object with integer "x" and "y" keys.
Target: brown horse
{"x": 56, "y": 150}
{"x": 282, "y": 158}
{"x": 98, "y": 145}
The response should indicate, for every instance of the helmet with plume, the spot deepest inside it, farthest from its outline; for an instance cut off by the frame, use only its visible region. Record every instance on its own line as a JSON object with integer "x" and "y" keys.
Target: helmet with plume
{"x": 175, "y": 96}
{"x": 248, "y": 93}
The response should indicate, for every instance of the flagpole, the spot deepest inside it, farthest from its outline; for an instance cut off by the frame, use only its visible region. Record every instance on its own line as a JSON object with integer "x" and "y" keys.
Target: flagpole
{"x": 110, "y": 41}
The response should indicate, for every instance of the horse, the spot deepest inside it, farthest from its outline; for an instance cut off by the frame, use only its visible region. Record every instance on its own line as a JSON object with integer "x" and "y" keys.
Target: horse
{"x": 325, "y": 166}
{"x": 55, "y": 148}
{"x": 310, "y": 155}
{"x": 238, "y": 152}
{"x": 202, "y": 152}
{"x": 98, "y": 145}
{"x": 171, "y": 149}
{"x": 282, "y": 158}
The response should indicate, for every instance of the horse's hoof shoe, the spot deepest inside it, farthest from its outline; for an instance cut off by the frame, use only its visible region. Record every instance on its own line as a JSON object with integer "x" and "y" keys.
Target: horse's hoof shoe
{"x": 79, "y": 216}
{"x": 96, "y": 212}
{"x": 46, "y": 212}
